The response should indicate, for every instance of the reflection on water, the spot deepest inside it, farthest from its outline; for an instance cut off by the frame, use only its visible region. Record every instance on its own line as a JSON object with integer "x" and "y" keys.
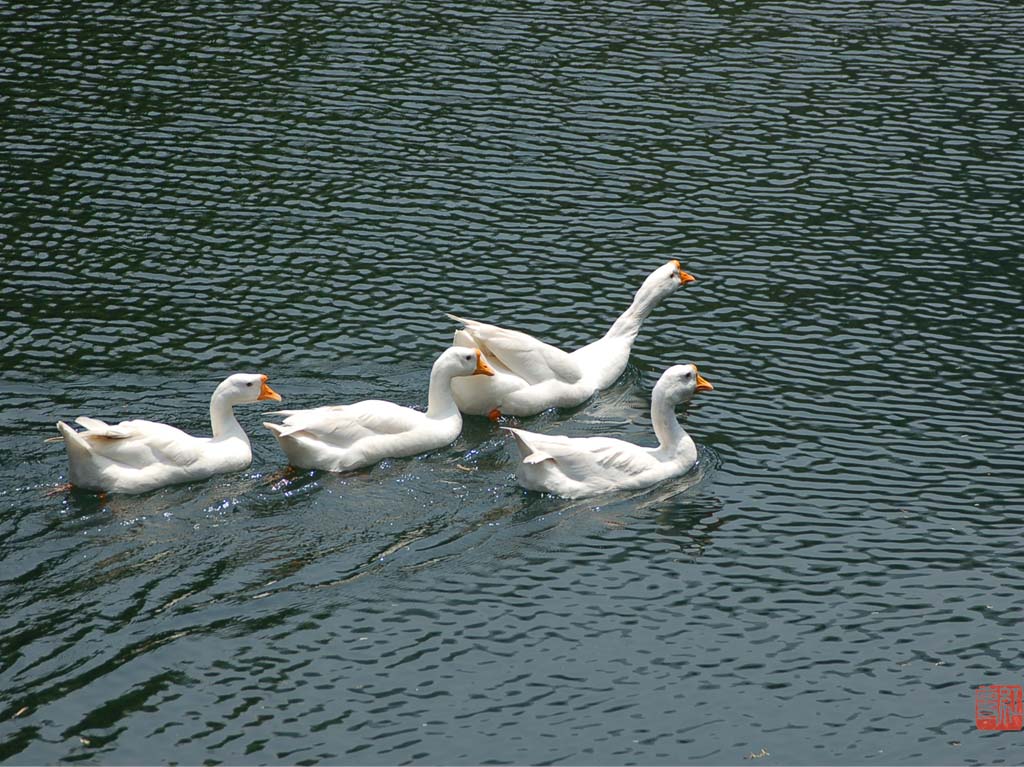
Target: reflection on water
{"x": 307, "y": 189}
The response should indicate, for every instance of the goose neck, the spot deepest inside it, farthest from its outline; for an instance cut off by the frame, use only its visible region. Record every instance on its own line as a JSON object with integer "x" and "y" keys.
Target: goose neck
{"x": 666, "y": 426}
{"x": 630, "y": 321}
{"x": 222, "y": 419}
{"x": 440, "y": 400}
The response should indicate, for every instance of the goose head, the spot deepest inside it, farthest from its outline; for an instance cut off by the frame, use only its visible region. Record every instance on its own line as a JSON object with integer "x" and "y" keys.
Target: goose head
{"x": 679, "y": 383}
{"x": 462, "y": 361}
{"x": 242, "y": 388}
{"x": 664, "y": 281}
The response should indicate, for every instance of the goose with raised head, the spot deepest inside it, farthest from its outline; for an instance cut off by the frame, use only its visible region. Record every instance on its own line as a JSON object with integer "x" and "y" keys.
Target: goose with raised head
{"x": 138, "y": 456}
{"x": 581, "y": 466}
{"x": 346, "y": 437}
{"x": 531, "y": 376}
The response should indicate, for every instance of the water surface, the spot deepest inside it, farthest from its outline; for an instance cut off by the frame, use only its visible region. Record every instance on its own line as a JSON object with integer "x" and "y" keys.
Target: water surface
{"x": 304, "y": 189}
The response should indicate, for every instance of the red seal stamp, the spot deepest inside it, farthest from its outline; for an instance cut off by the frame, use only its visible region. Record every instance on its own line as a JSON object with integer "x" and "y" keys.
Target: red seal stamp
{"x": 998, "y": 707}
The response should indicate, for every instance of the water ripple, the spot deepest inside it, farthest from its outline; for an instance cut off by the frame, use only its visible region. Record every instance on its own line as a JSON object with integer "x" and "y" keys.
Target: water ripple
{"x": 306, "y": 190}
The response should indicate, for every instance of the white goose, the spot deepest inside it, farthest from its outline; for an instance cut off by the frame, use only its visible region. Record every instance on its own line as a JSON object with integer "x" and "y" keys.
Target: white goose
{"x": 531, "y": 376}
{"x": 137, "y": 456}
{"x": 582, "y": 466}
{"x": 345, "y": 437}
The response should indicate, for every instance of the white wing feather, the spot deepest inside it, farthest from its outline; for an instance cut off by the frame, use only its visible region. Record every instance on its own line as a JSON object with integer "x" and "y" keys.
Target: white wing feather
{"x": 344, "y": 425}
{"x": 532, "y": 360}
{"x": 139, "y": 444}
{"x": 583, "y": 459}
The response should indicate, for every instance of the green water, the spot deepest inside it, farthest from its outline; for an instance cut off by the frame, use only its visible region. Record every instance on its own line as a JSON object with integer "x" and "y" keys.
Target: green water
{"x": 304, "y": 189}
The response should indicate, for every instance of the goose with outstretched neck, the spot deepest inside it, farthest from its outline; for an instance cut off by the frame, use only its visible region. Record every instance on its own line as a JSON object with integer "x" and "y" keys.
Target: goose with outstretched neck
{"x": 531, "y": 376}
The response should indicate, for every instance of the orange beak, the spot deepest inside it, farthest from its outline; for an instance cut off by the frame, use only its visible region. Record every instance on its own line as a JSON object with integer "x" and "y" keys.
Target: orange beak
{"x": 482, "y": 368}
{"x": 703, "y": 384}
{"x": 266, "y": 392}
{"x": 683, "y": 276}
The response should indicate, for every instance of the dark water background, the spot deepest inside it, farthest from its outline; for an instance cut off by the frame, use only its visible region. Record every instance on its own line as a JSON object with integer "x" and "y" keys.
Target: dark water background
{"x": 302, "y": 189}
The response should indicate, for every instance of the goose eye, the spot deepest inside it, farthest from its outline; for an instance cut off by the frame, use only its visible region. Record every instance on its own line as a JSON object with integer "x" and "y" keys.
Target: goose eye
{"x": 249, "y": 384}
{"x": 469, "y": 357}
